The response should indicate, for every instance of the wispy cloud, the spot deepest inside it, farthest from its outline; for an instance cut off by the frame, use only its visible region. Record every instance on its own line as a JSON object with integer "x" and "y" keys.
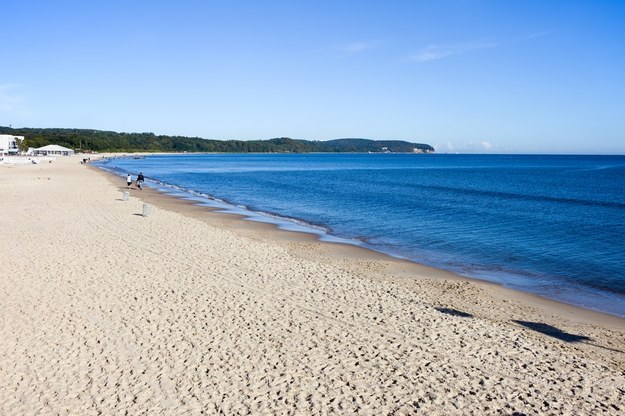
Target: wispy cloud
{"x": 358, "y": 47}
{"x": 482, "y": 146}
{"x": 436, "y": 52}
{"x": 479, "y": 146}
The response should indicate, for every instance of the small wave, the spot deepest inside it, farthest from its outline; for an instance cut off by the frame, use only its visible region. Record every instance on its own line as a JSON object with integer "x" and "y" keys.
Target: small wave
{"x": 297, "y": 221}
{"x": 248, "y": 212}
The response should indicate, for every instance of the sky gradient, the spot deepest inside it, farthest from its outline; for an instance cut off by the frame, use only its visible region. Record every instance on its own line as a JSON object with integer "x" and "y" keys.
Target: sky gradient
{"x": 464, "y": 76}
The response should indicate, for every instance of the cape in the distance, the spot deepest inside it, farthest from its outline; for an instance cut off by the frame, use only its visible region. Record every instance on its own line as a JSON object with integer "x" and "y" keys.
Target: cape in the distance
{"x": 110, "y": 141}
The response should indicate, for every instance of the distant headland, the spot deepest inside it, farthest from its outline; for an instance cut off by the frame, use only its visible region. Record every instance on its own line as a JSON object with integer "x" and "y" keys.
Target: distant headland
{"x": 110, "y": 141}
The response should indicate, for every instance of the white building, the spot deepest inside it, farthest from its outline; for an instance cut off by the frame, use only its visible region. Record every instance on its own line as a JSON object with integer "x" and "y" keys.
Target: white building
{"x": 9, "y": 144}
{"x": 53, "y": 150}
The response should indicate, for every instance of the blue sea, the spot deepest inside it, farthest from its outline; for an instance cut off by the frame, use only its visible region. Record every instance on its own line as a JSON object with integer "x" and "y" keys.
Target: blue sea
{"x": 549, "y": 225}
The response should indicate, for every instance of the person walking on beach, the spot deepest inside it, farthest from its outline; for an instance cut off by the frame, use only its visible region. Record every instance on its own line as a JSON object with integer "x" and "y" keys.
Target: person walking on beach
{"x": 140, "y": 180}
{"x": 128, "y": 180}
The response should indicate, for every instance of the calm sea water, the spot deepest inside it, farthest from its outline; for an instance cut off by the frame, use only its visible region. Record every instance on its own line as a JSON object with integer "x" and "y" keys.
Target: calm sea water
{"x": 550, "y": 225}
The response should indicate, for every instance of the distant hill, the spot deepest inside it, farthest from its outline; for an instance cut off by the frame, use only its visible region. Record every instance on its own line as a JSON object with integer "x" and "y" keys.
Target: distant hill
{"x": 110, "y": 141}
{"x": 367, "y": 145}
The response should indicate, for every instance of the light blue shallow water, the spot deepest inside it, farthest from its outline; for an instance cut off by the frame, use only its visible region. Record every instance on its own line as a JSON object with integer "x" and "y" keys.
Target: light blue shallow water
{"x": 551, "y": 225}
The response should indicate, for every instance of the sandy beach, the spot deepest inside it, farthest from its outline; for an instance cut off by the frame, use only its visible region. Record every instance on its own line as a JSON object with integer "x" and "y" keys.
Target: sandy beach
{"x": 188, "y": 311}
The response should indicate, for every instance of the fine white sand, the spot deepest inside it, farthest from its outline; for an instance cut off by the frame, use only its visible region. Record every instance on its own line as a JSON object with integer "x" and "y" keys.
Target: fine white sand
{"x": 104, "y": 311}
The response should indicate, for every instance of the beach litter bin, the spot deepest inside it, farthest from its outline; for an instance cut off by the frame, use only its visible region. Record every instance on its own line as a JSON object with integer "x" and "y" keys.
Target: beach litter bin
{"x": 147, "y": 210}
{"x": 125, "y": 196}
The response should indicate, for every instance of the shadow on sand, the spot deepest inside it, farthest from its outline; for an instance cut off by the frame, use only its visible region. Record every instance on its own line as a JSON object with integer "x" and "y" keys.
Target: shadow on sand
{"x": 552, "y": 331}
{"x": 453, "y": 312}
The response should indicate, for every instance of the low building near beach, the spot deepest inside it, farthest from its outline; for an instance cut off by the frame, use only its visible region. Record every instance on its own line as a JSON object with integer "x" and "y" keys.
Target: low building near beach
{"x": 53, "y": 150}
{"x": 9, "y": 144}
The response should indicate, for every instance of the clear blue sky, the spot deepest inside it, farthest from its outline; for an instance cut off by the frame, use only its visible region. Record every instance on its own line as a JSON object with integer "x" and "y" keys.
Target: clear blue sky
{"x": 501, "y": 76}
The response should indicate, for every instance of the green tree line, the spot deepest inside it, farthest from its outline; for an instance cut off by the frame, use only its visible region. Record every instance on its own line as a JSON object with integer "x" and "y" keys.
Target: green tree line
{"x": 110, "y": 141}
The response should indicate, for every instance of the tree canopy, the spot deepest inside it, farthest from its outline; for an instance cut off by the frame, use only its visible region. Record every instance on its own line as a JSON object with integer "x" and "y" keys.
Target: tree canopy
{"x": 110, "y": 141}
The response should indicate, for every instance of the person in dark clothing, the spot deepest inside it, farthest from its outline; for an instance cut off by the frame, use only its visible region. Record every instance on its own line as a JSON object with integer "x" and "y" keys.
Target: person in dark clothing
{"x": 140, "y": 180}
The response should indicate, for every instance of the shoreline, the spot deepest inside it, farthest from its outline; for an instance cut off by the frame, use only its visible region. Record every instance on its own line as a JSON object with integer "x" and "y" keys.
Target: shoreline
{"x": 187, "y": 310}
{"x": 338, "y": 250}
{"x": 532, "y": 297}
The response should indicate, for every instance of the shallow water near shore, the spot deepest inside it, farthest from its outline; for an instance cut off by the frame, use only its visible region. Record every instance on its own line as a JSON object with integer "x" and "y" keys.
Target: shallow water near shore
{"x": 550, "y": 225}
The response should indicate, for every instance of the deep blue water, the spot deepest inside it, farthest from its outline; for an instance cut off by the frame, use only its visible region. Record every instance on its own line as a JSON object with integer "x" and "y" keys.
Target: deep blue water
{"x": 551, "y": 225}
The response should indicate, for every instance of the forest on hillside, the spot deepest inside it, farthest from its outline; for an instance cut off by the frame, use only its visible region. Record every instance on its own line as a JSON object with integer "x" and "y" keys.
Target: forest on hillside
{"x": 109, "y": 141}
